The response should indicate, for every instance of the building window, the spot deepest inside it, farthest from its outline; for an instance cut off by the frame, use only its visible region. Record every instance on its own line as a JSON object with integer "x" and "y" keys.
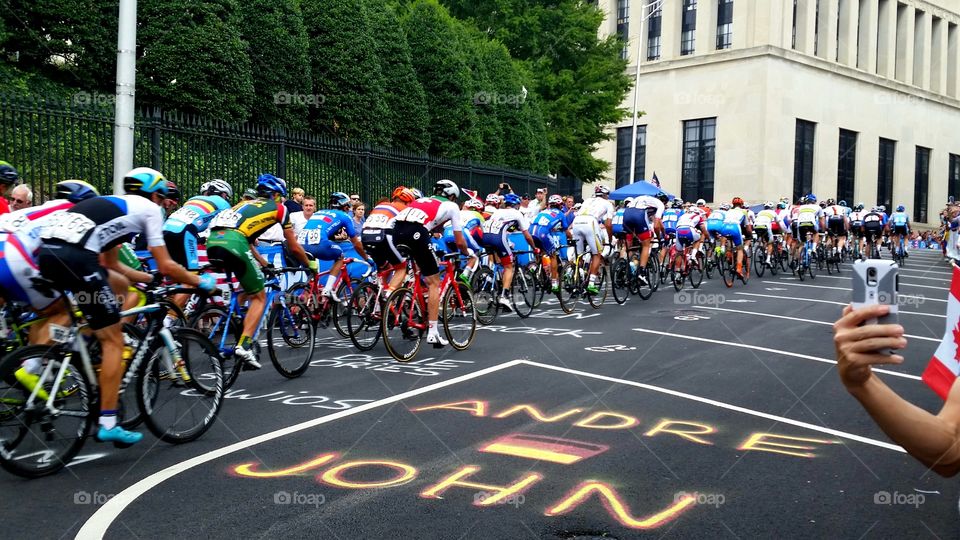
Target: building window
{"x": 688, "y": 36}
{"x": 699, "y": 157}
{"x": 803, "y": 158}
{"x": 816, "y": 30}
{"x": 847, "y": 166}
{"x": 953, "y": 180}
{"x": 888, "y": 152}
{"x": 725, "y": 24}
{"x": 921, "y": 183}
{"x": 793, "y": 41}
{"x": 653, "y": 34}
{"x": 623, "y": 154}
{"x": 623, "y": 26}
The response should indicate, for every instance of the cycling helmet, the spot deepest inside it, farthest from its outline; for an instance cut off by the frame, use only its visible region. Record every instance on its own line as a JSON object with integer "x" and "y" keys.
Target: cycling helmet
{"x": 785, "y": 200}
{"x": 75, "y": 191}
{"x": 555, "y": 200}
{"x": 268, "y": 184}
{"x": 823, "y": 204}
{"x": 473, "y": 204}
{"x": 493, "y": 199}
{"x": 217, "y": 187}
{"x": 901, "y": 208}
{"x": 145, "y": 181}
{"x": 725, "y": 206}
{"x": 831, "y": 202}
{"x": 8, "y": 175}
{"x": 677, "y": 203}
{"x": 417, "y": 194}
{"x": 842, "y": 203}
{"x": 173, "y": 192}
{"x": 446, "y": 188}
{"x": 339, "y": 200}
{"x": 811, "y": 198}
{"x": 882, "y": 207}
{"x": 859, "y": 207}
{"x": 737, "y": 201}
{"x": 782, "y": 205}
{"x": 511, "y": 199}
{"x": 403, "y": 194}
{"x": 768, "y": 205}
{"x": 601, "y": 190}
{"x": 701, "y": 202}
{"x": 663, "y": 197}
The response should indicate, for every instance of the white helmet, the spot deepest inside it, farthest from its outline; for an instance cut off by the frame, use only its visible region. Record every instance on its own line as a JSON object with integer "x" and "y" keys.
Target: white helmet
{"x": 627, "y": 201}
{"x": 446, "y": 188}
{"x": 221, "y": 187}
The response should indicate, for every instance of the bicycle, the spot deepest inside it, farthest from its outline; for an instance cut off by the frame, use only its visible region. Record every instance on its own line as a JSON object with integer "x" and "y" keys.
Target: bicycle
{"x": 404, "y": 318}
{"x": 365, "y": 311}
{"x": 900, "y": 252}
{"x": 575, "y": 277}
{"x": 488, "y": 287}
{"x": 806, "y": 258}
{"x": 170, "y": 365}
{"x": 729, "y": 270}
{"x": 322, "y": 310}
{"x": 288, "y": 319}
{"x": 683, "y": 267}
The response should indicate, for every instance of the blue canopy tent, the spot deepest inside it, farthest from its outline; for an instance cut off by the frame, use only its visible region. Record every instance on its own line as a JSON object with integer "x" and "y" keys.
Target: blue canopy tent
{"x": 636, "y": 189}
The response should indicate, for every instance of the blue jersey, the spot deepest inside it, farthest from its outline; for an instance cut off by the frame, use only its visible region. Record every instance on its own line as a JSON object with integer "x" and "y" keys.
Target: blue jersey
{"x": 198, "y": 212}
{"x": 548, "y": 221}
{"x": 900, "y": 219}
{"x": 327, "y": 224}
{"x": 670, "y": 218}
{"x": 716, "y": 219}
{"x": 618, "y": 221}
{"x": 885, "y": 217}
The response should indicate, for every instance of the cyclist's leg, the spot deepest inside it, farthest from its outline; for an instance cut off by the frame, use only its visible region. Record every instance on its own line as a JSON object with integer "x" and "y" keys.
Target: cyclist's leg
{"x": 229, "y": 250}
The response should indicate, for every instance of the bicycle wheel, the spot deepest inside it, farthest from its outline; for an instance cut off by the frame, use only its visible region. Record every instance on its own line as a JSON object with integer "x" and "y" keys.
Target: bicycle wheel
{"x": 363, "y": 317}
{"x": 523, "y": 292}
{"x": 224, "y": 332}
{"x": 759, "y": 261}
{"x": 338, "y": 310}
{"x": 676, "y": 272}
{"x": 543, "y": 283}
{"x": 181, "y": 398}
{"x": 745, "y": 274}
{"x": 568, "y": 287}
{"x": 33, "y": 441}
{"x": 621, "y": 280}
{"x": 775, "y": 262}
{"x": 596, "y": 300}
{"x": 485, "y": 296}
{"x": 302, "y": 292}
{"x": 729, "y": 270}
{"x": 292, "y": 325}
{"x": 459, "y": 319}
{"x": 812, "y": 269}
{"x": 404, "y": 324}
{"x": 645, "y": 282}
{"x": 696, "y": 270}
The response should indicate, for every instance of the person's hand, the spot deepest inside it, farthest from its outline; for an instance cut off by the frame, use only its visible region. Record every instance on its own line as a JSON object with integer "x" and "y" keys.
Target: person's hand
{"x": 207, "y": 282}
{"x": 858, "y": 347}
{"x": 313, "y": 265}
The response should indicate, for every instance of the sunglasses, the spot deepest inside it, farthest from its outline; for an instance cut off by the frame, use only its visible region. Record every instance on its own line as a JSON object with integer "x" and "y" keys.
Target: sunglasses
{"x": 354, "y": 198}
{"x": 19, "y": 201}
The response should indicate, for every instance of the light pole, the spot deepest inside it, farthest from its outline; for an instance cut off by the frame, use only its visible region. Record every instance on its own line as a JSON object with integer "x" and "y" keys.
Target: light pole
{"x": 648, "y": 10}
{"x": 123, "y": 123}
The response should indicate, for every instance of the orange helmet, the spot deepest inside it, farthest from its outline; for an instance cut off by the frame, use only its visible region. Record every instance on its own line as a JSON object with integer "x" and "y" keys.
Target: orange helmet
{"x": 404, "y": 195}
{"x": 737, "y": 201}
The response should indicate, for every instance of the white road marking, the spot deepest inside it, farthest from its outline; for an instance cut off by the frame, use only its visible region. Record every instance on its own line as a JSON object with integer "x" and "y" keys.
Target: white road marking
{"x": 722, "y": 405}
{"x": 924, "y": 298}
{"x": 764, "y": 349}
{"x": 910, "y": 269}
{"x": 902, "y": 283}
{"x": 100, "y": 521}
{"x": 836, "y": 303}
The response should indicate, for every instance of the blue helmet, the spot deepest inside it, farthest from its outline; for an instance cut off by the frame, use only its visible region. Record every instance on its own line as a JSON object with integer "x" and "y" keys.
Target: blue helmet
{"x": 145, "y": 181}
{"x": 900, "y": 208}
{"x": 811, "y": 198}
{"x": 268, "y": 184}
{"x": 842, "y": 203}
{"x": 338, "y": 199}
{"x": 75, "y": 191}
{"x": 511, "y": 199}
{"x": 8, "y": 175}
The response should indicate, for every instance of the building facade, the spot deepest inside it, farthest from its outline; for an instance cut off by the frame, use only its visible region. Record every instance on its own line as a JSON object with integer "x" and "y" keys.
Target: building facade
{"x": 852, "y": 99}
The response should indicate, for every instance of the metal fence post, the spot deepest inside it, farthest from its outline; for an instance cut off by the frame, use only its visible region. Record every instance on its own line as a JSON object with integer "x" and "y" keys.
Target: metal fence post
{"x": 282, "y": 153}
{"x": 155, "y": 158}
{"x": 365, "y": 173}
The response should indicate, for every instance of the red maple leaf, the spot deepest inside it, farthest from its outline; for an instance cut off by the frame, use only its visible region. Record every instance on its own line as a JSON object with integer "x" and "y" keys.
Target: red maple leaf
{"x": 956, "y": 341}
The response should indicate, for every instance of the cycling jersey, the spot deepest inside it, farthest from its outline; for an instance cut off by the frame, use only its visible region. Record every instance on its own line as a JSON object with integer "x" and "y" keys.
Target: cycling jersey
{"x": 381, "y": 217}
{"x": 432, "y": 213}
{"x": 472, "y": 231}
{"x": 715, "y": 221}
{"x": 544, "y": 225}
{"x": 28, "y": 223}
{"x": 317, "y": 236}
{"x": 739, "y": 216}
{"x": 856, "y": 219}
{"x": 253, "y": 218}
{"x": 101, "y": 223}
{"x": 690, "y": 220}
{"x": 670, "y": 218}
{"x": 19, "y": 243}
{"x": 809, "y": 215}
{"x": 413, "y": 226}
{"x": 637, "y": 216}
{"x": 900, "y": 219}
{"x": 496, "y": 231}
{"x": 688, "y": 228}
{"x": 197, "y": 213}
{"x": 598, "y": 208}
{"x": 374, "y": 233}
{"x": 617, "y": 224}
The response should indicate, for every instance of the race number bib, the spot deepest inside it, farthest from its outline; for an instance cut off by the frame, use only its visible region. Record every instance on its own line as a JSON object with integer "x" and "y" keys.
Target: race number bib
{"x": 185, "y": 215}
{"x": 69, "y": 227}
{"x": 10, "y": 224}
{"x": 618, "y": 219}
{"x": 228, "y": 219}
{"x": 312, "y": 236}
{"x": 415, "y": 215}
{"x": 377, "y": 221}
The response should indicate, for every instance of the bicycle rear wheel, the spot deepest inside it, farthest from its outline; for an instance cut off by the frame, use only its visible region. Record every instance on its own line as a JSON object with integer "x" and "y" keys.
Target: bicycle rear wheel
{"x": 676, "y": 272}
{"x": 292, "y": 325}
{"x": 485, "y": 296}
{"x": 568, "y": 287}
{"x": 181, "y": 398}
{"x": 404, "y": 324}
{"x": 728, "y": 270}
{"x": 621, "y": 280}
{"x": 644, "y": 281}
{"x": 363, "y": 319}
{"x": 596, "y": 300}
{"x": 524, "y": 292}
{"x": 696, "y": 270}
{"x": 459, "y": 319}
{"x": 759, "y": 260}
{"x": 33, "y": 441}
{"x": 212, "y": 322}
{"x": 338, "y": 310}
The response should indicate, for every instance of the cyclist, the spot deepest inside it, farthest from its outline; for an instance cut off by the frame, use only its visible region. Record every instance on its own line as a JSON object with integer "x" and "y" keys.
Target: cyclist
{"x": 493, "y": 203}
{"x": 8, "y": 177}
{"x": 373, "y": 234}
{"x": 317, "y": 238}
{"x": 856, "y": 225}
{"x": 181, "y": 231}
{"x": 874, "y": 223}
{"x": 670, "y": 218}
{"x": 542, "y": 229}
{"x": 738, "y": 227}
{"x": 809, "y": 220}
{"x": 767, "y": 224}
{"x": 691, "y": 229}
{"x": 413, "y": 227}
{"x": 715, "y": 224}
{"x": 900, "y": 229}
{"x": 496, "y": 237}
{"x": 644, "y": 218}
{"x": 617, "y": 225}
{"x": 702, "y": 205}
{"x": 594, "y": 212}
{"x": 230, "y": 247}
{"x": 838, "y": 224}
{"x": 472, "y": 220}
{"x": 79, "y": 252}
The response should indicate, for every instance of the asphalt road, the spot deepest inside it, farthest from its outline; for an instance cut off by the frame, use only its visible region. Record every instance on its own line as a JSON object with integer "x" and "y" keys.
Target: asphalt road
{"x": 715, "y": 412}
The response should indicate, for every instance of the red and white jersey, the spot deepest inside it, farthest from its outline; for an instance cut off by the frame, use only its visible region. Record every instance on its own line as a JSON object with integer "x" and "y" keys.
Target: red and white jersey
{"x": 598, "y": 208}
{"x": 504, "y": 218}
{"x": 692, "y": 219}
{"x": 783, "y": 214}
{"x": 835, "y": 211}
{"x": 646, "y": 202}
{"x": 432, "y": 213}
{"x": 28, "y": 223}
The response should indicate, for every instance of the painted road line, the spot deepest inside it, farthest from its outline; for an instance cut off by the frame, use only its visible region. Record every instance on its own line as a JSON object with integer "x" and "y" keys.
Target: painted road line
{"x": 764, "y": 349}
{"x": 848, "y": 277}
{"x": 722, "y": 405}
{"x": 937, "y": 340}
{"x": 910, "y": 269}
{"x": 924, "y": 298}
{"x": 836, "y": 303}
{"x": 100, "y": 521}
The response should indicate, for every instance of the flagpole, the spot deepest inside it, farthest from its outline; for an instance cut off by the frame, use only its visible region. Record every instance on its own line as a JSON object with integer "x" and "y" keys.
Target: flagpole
{"x": 650, "y": 8}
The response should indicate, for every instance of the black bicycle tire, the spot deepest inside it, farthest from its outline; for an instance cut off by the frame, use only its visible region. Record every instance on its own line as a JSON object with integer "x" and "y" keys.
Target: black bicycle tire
{"x": 275, "y": 314}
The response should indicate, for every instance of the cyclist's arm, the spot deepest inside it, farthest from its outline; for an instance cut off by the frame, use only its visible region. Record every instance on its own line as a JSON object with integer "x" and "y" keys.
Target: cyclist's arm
{"x": 358, "y": 245}
{"x": 171, "y": 268}
{"x": 257, "y": 257}
{"x": 461, "y": 242}
{"x": 111, "y": 259}
{"x": 608, "y": 223}
{"x": 295, "y": 248}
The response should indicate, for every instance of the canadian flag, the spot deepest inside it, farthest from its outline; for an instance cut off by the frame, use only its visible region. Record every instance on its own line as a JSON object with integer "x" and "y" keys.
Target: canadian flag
{"x": 945, "y": 364}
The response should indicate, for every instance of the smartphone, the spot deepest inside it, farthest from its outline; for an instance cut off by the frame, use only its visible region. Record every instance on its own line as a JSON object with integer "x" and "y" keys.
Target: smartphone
{"x": 876, "y": 282}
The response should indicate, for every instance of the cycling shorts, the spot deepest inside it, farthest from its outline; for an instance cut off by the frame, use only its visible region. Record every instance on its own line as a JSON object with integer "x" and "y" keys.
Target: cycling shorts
{"x": 18, "y": 268}
{"x": 764, "y": 232}
{"x": 182, "y": 247}
{"x": 687, "y": 236}
{"x": 499, "y": 243}
{"x": 416, "y": 238}
{"x": 872, "y": 230}
{"x": 636, "y": 221}
{"x": 546, "y": 243}
{"x": 586, "y": 234}
{"x": 836, "y": 226}
{"x": 900, "y": 229}
{"x": 78, "y": 270}
{"x": 803, "y": 229}
{"x": 229, "y": 250}
{"x": 814, "y": 224}
{"x": 734, "y": 233}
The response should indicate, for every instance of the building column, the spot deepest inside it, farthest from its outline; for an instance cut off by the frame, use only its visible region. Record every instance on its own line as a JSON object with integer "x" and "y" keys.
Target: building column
{"x": 670, "y": 30}
{"x": 906, "y": 23}
{"x": 867, "y": 48}
{"x": 887, "y": 38}
{"x": 745, "y": 20}
{"x": 849, "y": 20}
{"x": 938, "y": 59}
{"x": 806, "y": 25}
{"x": 827, "y": 36}
{"x": 706, "y": 33}
{"x": 953, "y": 69}
{"x": 921, "y": 49}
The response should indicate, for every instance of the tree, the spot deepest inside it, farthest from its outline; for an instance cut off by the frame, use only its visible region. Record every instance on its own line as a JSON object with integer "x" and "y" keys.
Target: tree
{"x": 486, "y": 92}
{"x": 407, "y": 116}
{"x": 579, "y": 77}
{"x": 191, "y": 58}
{"x": 346, "y": 71}
{"x": 443, "y": 72}
{"x": 277, "y": 46}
